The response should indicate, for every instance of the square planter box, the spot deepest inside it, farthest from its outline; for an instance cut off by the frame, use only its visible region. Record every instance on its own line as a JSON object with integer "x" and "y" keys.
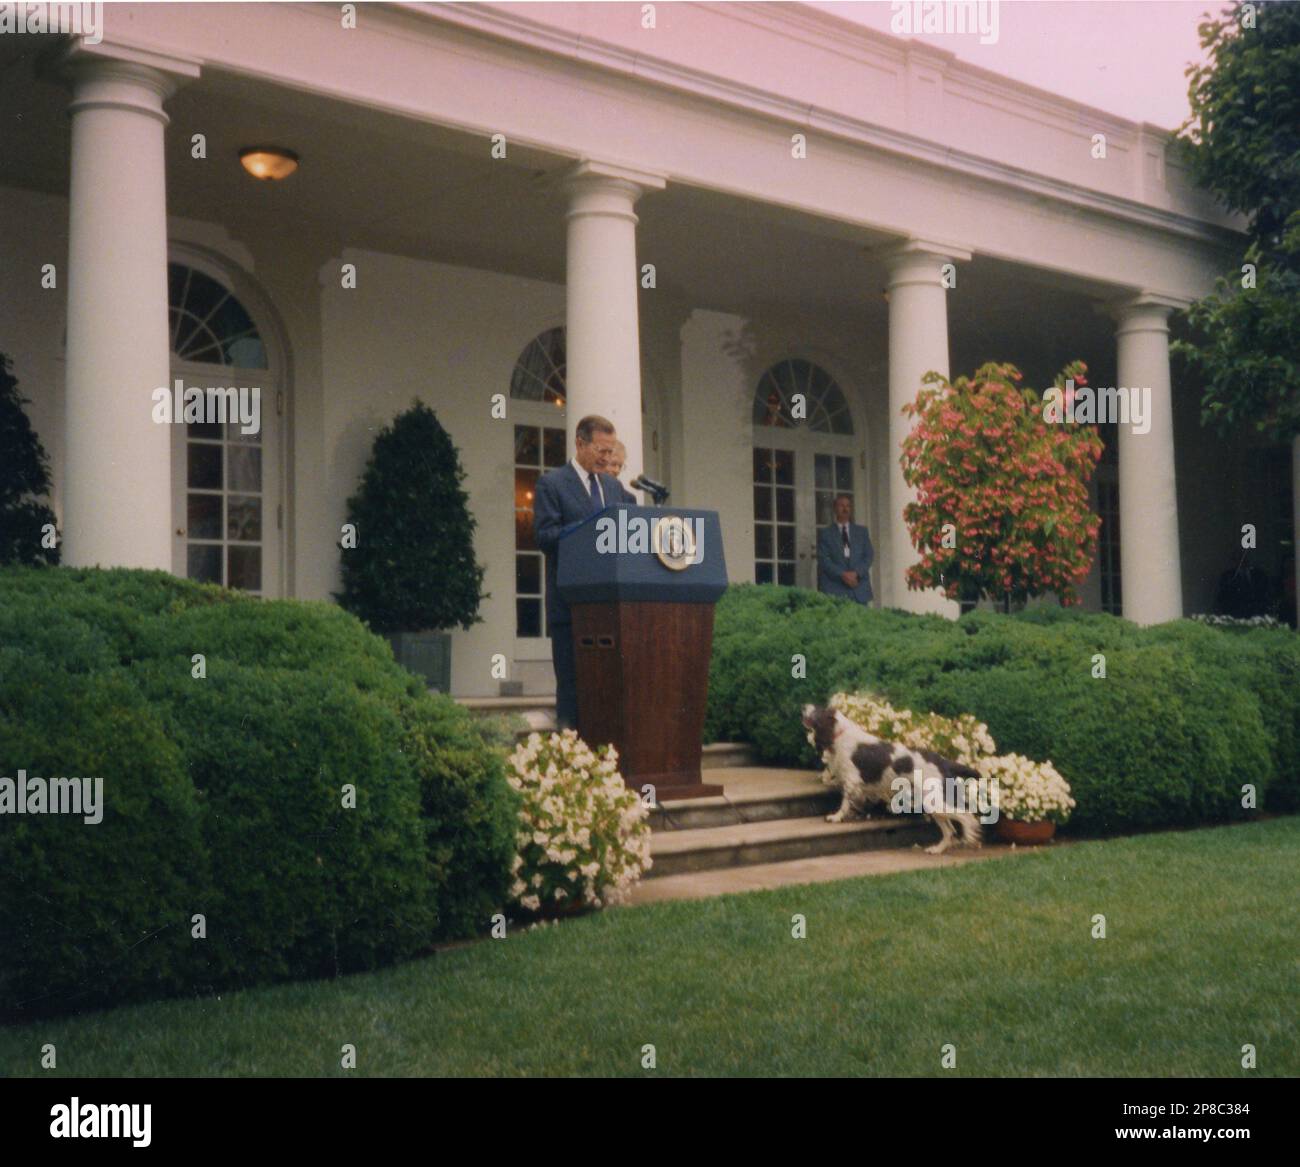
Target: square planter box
{"x": 427, "y": 655}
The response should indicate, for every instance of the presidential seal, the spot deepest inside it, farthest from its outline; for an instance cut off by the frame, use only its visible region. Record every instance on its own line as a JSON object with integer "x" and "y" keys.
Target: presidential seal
{"x": 673, "y": 542}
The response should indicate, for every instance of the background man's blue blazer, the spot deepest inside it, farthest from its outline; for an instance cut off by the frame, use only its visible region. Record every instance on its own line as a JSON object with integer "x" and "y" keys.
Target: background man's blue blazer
{"x": 559, "y": 502}
{"x": 831, "y": 562}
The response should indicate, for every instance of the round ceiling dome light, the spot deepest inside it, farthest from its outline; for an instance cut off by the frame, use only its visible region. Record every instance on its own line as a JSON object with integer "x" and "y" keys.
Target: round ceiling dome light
{"x": 269, "y": 163}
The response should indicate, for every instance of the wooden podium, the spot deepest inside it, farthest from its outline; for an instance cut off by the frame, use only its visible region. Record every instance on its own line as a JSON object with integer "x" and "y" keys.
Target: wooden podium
{"x": 641, "y": 583}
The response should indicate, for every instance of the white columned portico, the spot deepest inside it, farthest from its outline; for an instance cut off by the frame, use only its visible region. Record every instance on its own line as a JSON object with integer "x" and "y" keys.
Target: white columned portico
{"x": 918, "y": 343}
{"x": 1150, "y": 566}
{"x": 603, "y": 343}
{"x": 117, "y": 490}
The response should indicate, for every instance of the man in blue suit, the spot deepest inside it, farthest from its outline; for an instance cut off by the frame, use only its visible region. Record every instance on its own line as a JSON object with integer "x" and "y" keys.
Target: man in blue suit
{"x": 563, "y": 498}
{"x": 844, "y": 556}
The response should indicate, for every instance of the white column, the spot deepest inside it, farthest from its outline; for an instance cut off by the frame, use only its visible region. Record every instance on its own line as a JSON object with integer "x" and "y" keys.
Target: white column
{"x": 1150, "y": 567}
{"x": 918, "y": 343}
{"x": 117, "y": 467}
{"x": 602, "y": 334}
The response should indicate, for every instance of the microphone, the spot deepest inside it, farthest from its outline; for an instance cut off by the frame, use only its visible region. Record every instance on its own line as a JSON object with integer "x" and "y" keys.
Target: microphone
{"x": 651, "y": 487}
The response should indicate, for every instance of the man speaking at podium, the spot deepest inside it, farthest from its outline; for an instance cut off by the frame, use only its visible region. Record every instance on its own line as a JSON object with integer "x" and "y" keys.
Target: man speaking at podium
{"x": 563, "y": 498}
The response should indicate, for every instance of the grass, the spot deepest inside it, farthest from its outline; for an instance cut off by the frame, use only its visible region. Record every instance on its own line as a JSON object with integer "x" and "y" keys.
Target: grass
{"x": 1201, "y": 957}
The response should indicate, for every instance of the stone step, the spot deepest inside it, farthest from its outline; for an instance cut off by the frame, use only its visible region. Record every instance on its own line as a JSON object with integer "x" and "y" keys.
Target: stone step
{"x": 750, "y": 794}
{"x": 679, "y": 852}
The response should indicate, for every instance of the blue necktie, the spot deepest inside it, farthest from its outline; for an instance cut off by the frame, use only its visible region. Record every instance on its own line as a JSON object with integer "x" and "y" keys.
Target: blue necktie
{"x": 595, "y": 491}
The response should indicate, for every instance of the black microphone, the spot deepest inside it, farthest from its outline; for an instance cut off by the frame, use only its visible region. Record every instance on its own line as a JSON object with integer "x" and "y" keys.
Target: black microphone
{"x": 650, "y": 486}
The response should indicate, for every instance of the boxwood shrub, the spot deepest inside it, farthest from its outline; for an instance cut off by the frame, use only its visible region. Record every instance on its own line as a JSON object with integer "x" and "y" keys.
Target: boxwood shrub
{"x": 1184, "y": 718}
{"x": 225, "y": 794}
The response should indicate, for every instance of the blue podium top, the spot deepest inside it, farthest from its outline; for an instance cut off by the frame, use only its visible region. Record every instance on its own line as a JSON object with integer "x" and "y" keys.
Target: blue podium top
{"x": 668, "y": 554}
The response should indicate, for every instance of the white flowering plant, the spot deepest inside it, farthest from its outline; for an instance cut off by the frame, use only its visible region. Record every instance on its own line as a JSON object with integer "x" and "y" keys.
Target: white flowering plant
{"x": 1027, "y": 791}
{"x": 584, "y": 837}
{"x": 964, "y": 738}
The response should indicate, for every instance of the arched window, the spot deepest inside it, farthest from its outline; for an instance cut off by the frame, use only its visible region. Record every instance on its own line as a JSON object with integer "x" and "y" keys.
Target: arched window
{"x": 540, "y": 371}
{"x": 538, "y": 387}
{"x": 208, "y": 325}
{"x": 823, "y": 408}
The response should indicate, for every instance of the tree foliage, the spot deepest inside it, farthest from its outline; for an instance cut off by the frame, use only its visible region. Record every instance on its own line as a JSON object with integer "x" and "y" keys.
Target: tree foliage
{"x": 413, "y": 565}
{"x": 24, "y": 481}
{"x": 1242, "y": 142}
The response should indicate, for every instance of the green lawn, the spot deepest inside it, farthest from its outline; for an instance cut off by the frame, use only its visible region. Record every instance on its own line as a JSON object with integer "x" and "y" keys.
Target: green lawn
{"x": 1202, "y": 956}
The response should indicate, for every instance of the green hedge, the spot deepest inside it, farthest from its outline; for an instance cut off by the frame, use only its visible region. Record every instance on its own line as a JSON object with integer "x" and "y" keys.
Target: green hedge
{"x": 224, "y": 795}
{"x": 1185, "y": 716}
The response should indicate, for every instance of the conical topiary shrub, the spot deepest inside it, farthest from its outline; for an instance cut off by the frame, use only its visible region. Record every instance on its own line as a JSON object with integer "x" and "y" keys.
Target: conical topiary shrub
{"x": 27, "y": 526}
{"x": 408, "y": 558}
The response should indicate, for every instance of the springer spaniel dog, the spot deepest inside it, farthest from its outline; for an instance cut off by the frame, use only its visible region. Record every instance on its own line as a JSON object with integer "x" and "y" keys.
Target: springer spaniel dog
{"x": 865, "y": 769}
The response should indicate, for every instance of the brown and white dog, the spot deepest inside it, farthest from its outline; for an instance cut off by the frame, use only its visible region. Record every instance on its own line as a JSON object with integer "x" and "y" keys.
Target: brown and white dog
{"x": 866, "y": 770}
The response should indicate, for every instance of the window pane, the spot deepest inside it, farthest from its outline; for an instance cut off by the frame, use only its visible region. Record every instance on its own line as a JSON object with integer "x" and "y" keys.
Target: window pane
{"x": 553, "y": 442}
{"x": 528, "y": 617}
{"x": 785, "y": 506}
{"x": 244, "y": 518}
{"x": 245, "y": 468}
{"x": 785, "y": 574}
{"x": 528, "y": 446}
{"x": 203, "y": 563}
{"x": 825, "y": 509}
{"x": 762, "y": 541}
{"x": 785, "y": 542}
{"x": 244, "y": 568}
{"x": 822, "y": 471}
{"x": 843, "y": 473}
{"x": 203, "y": 516}
{"x": 525, "y": 484}
{"x": 762, "y": 465}
{"x": 762, "y": 502}
{"x": 204, "y": 466}
{"x": 784, "y": 467}
{"x": 762, "y": 573}
{"x": 203, "y": 429}
{"x": 528, "y": 575}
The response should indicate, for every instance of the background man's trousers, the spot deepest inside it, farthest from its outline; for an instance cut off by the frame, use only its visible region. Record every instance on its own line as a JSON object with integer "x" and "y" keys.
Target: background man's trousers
{"x": 566, "y": 677}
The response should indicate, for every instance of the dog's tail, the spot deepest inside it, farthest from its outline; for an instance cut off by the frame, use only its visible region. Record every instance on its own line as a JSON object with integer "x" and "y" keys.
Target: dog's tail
{"x": 972, "y": 834}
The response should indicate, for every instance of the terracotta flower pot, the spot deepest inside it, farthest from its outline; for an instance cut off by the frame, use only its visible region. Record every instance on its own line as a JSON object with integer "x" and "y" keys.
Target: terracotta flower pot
{"x": 1025, "y": 834}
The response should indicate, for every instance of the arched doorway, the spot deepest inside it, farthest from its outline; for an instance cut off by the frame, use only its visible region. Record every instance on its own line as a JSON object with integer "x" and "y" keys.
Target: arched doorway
{"x": 226, "y": 459}
{"x": 803, "y": 458}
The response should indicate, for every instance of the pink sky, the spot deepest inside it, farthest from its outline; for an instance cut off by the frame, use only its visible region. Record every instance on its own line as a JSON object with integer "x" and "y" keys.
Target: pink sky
{"x": 1123, "y": 56}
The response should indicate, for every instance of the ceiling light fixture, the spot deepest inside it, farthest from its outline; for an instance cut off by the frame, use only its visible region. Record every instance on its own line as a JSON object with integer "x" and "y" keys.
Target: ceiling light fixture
{"x": 269, "y": 163}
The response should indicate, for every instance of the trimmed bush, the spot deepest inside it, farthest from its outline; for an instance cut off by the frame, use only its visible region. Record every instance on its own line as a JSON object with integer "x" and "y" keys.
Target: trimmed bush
{"x": 305, "y": 796}
{"x": 1185, "y": 716}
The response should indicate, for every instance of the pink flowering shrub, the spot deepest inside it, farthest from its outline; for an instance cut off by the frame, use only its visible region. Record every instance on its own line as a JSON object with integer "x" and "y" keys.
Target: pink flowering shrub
{"x": 1002, "y": 492}
{"x": 584, "y": 837}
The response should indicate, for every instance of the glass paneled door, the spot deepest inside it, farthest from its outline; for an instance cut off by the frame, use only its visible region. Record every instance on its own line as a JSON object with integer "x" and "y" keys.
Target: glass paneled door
{"x": 226, "y": 513}
{"x": 803, "y": 458}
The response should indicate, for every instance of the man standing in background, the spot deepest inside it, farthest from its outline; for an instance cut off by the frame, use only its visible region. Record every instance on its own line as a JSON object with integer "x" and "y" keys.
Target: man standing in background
{"x": 844, "y": 556}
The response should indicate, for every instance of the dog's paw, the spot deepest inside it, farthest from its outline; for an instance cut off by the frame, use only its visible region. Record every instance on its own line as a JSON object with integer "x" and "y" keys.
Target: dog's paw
{"x": 937, "y": 849}
{"x": 837, "y": 817}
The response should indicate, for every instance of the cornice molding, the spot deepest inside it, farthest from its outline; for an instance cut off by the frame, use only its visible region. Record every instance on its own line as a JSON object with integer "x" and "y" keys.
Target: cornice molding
{"x": 487, "y": 20}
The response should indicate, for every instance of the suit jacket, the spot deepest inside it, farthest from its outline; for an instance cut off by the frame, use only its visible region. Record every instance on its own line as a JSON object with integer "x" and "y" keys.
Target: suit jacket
{"x": 560, "y": 501}
{"x": 831, "y": 562}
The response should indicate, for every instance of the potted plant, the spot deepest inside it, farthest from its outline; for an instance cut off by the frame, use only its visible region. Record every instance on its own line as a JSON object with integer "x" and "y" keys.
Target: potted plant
{"x": 27, "y": 526}
{"x": 408, "y": 551}
{"x": 1032, "y": 797}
